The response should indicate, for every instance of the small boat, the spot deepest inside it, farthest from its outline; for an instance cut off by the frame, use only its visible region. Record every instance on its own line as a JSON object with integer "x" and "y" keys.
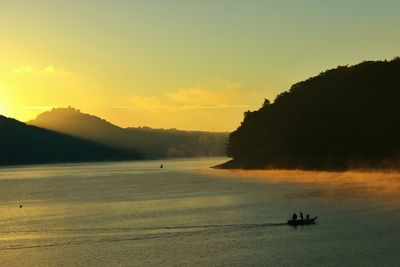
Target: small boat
{"x": 302, "y": 222}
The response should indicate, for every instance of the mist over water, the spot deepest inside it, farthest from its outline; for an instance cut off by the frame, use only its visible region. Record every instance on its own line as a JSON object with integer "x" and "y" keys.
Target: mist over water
{"x": 137, "y": 214}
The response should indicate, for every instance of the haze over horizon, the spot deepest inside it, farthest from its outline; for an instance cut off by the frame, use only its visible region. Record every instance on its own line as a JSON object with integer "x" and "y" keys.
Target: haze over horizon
{"x": 191, "y": 65}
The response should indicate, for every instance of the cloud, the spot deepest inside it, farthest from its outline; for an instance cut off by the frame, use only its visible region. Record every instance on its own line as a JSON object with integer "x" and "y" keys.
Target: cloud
{"x": 49, "y": 70}
{"x": 229, "y": 96}
{"x": 24, "y": 70}
{"x": 198, "y": 106}
{"x": 196, "y": 96}
{"x": 216, "y": 108}
{"x": 40, "y": 107}
{"x": 53, "y": 71}
{"x": 144, "y": 103}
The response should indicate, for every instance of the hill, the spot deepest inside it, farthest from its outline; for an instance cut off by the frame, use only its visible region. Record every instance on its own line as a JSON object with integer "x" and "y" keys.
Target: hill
{"x": 347, "y": 117}
{"x": 23, "y": 144}
{"x": 154, "y": 143}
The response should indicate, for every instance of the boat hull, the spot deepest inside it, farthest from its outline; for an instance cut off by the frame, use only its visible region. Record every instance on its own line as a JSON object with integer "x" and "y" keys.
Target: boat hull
{"x": 302, "y": 222}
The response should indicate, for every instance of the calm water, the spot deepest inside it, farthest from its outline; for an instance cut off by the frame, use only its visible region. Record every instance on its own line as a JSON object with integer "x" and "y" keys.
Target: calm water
{"x": 136, "y": 214}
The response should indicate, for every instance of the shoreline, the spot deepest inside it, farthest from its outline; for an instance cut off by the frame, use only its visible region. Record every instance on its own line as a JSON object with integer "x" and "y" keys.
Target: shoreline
{"x": 235, "y": 164}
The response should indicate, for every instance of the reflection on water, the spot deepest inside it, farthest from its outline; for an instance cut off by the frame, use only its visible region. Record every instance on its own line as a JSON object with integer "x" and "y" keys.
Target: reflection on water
{"x": 103, "y": 235}
{"x": 335, "y": 183}
{"x": 134, "y": 213}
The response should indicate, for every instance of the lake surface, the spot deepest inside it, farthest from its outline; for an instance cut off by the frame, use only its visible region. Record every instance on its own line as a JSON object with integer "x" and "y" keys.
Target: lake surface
{"x": 186, "y": 214}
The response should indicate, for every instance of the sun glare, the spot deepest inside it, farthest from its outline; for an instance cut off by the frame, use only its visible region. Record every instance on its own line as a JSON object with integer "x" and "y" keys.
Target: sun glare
{"x": 2, "y": 110}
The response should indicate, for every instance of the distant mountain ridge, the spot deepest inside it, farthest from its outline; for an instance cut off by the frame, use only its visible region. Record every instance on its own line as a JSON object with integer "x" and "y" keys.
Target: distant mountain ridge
{"x": 343, "y": 118}
{"x": 24, "y": 144}
{"x": 153, "y": 143}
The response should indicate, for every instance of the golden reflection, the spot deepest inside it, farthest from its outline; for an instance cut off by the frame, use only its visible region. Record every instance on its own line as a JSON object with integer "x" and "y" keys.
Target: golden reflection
{"x": 338, "y": 183}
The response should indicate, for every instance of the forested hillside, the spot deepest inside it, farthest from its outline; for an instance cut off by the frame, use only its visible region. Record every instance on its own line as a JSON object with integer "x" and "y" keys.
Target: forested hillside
{"x": 347, "y": 117}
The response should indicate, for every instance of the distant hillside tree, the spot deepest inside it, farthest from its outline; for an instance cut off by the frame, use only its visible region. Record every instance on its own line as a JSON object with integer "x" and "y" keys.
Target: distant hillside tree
{"x": 153, "y": 143}
{"x": 344, "y": 117}
{"x": 24, "y": 144}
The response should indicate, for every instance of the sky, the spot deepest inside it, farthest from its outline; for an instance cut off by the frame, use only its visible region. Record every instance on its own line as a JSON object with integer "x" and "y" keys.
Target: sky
{"x": 186, "y": 64}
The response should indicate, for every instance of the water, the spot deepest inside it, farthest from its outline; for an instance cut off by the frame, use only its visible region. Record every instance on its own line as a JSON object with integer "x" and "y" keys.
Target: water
{"x": 136, "y": 214}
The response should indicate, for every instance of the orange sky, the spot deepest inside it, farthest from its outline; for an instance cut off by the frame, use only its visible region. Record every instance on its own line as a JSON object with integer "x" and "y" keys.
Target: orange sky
{"x": 195, "y": 65}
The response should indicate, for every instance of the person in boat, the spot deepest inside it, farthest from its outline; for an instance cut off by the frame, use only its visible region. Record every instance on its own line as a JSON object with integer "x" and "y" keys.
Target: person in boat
{"x": 301, "y": 216}
{"x": 294, "y": 216}
{"x": 307, "y": 216}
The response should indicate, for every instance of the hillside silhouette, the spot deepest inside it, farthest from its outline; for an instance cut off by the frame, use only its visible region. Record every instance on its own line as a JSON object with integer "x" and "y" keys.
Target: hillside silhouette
{"x": 347, "y": 117}
{"x": 24, "y": 144}
{"x": 153, "y": 143}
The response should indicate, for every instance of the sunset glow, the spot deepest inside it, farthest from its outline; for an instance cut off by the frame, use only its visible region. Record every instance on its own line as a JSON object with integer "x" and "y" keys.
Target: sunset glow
{"x": 2, "y": 110}
{"x": 178, "y": 64}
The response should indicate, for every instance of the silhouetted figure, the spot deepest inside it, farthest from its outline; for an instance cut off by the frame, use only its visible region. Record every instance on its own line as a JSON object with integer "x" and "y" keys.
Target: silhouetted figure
{"x": 294, "y": 217}
{"x": 301, "y": 216}
{"x": 161, "y": 166}
{"x": 20, "y": 206}
{"x": 307, "y": 216}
